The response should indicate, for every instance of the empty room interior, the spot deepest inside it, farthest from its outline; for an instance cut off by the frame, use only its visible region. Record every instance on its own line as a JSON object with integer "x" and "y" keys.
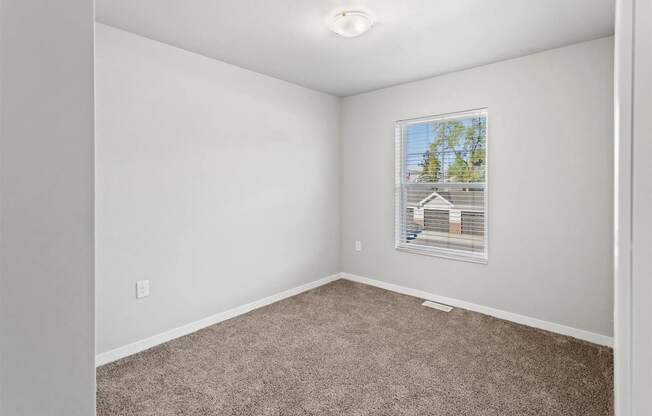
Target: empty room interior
{"x": 326, "y": 208}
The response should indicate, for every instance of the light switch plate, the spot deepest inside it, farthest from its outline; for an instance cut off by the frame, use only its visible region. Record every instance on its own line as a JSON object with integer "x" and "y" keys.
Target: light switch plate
{"x": 358, "y": 245}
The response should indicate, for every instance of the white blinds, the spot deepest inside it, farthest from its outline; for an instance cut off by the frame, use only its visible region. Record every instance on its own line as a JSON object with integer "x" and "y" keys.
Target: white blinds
{"x": 441, "y": 185}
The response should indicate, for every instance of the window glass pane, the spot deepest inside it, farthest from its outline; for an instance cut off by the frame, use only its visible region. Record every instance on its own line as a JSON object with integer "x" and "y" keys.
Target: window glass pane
{"x": 441, "y": 185}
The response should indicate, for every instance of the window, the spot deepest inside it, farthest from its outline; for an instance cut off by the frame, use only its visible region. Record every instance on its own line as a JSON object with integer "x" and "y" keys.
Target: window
{"x": 441, "y": 185}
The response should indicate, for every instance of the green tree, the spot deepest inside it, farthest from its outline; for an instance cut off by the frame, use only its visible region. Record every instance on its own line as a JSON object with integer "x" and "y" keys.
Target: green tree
{"x": 457, "y": 154}
{"x": 430, "y": 167}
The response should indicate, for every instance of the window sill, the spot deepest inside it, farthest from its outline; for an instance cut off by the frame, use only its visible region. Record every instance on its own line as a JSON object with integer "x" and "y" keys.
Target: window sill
{"x": 445, "y": 254}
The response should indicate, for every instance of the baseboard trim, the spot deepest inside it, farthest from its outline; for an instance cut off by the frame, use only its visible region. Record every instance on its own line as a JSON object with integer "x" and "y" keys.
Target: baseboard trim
{"x": 142, "y": 345}
{"x": 147, "y": 343}
{"x": 508, "y": 316}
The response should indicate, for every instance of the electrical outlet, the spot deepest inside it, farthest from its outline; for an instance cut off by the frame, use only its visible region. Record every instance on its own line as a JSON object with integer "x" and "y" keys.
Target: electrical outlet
{"x": 358, "y": 245}
{"x": 142, "y": 289}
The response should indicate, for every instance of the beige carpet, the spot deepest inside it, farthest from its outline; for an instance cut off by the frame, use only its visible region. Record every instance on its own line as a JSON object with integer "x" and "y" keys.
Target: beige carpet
{"x": 351, "y": 349}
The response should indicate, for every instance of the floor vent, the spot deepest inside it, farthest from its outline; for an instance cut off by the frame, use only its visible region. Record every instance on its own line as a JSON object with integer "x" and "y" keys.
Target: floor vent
{"x": 436, "y": 305}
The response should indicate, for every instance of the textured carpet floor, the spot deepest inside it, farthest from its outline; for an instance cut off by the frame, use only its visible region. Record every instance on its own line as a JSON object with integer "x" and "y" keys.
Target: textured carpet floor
{"x": 352, "y": 349}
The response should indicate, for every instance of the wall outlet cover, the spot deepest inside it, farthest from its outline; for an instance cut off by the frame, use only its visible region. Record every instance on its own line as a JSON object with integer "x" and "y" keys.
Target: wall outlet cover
{"x": 142, "y": 289}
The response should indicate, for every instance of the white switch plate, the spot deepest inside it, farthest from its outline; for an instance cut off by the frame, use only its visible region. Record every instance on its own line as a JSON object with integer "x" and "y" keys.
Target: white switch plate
{"x": 142, "y": 289}
{"x": 358, "y": 245}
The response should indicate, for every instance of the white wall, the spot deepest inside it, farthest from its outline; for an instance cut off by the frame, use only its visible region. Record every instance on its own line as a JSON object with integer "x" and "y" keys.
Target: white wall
{"x": 46, "y": 214}
{"x": 641, "y": 209}
{"x": 550, "y": 142}
{"x": 217, "y": 184}
{"x": 633, "y": 104}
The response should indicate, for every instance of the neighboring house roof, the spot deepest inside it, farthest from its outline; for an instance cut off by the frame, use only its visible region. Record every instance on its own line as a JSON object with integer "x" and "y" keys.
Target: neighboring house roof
{"x": 451, "y": 199}
{"x": 435, "y": 199}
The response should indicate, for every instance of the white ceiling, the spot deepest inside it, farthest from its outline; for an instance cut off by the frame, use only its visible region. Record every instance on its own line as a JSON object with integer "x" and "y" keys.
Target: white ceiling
{"x": 412, "y": 39}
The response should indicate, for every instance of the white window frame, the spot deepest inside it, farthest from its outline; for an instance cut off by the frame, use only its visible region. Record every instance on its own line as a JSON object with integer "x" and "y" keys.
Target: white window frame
{"x": 399, "y": 177}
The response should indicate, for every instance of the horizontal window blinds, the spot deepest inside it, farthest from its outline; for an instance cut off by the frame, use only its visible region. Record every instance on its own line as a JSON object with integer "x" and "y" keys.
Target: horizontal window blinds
{"x": 441, "y": 185}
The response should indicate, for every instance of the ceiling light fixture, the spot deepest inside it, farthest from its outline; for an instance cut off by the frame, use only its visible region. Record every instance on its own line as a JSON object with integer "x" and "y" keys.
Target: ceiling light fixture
{"x": 351, "y": 23}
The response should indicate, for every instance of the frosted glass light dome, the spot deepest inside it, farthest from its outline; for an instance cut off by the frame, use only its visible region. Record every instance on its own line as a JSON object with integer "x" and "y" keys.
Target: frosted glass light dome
{"x": 351, "y": 23}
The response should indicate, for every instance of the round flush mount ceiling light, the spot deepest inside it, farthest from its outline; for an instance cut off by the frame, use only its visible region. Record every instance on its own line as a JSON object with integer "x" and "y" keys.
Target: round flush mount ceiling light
{"x": 351, "y": 23}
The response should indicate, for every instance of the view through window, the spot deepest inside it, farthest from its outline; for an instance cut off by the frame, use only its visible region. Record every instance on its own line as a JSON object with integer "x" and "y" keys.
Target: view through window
{"x": 441, "y": 185}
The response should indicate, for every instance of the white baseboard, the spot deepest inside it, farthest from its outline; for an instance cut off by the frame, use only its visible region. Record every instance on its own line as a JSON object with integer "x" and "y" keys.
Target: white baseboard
{"x": 138, "y": 346}
{"x": 508, "y": 316}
